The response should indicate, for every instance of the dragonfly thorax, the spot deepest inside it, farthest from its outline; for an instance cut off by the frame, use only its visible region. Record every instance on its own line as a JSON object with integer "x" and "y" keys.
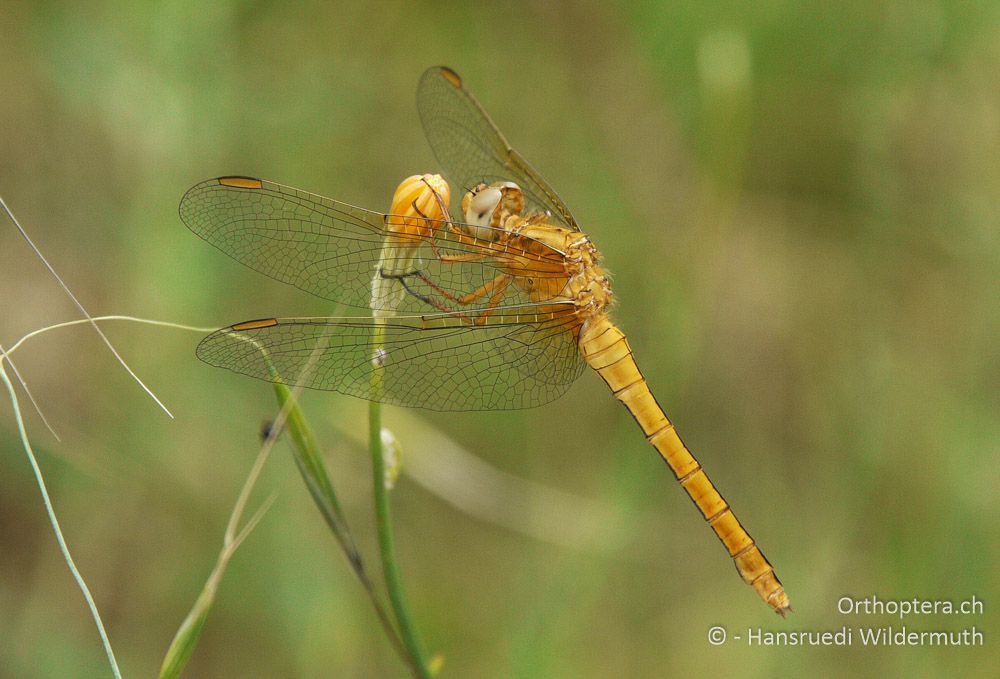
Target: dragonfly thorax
{"x": 585, "y": 282}
{"x": 589, "y": 284}
{"x": 499, "y": 209}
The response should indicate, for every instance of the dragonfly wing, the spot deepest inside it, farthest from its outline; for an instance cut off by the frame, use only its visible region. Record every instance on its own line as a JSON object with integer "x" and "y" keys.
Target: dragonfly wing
{"x": 333, "y": 250}
{"x": 520, "y": 358}
{"x": 472, "y": 149}
{"x": 318, "y": 245}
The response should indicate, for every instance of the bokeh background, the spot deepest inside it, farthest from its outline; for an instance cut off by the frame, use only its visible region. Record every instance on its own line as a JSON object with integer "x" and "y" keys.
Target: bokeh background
{"x": 799, "y": 202}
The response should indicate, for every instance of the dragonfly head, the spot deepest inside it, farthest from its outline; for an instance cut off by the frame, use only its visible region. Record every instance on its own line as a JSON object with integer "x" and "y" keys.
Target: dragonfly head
{"x": 489, "y": 205}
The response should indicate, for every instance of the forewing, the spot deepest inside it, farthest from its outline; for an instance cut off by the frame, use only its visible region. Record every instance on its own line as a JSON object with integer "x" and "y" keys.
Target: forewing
{"x": 521, "y": 358}
{"x": 334, "y": 250}
{"x": 472, "y": 149}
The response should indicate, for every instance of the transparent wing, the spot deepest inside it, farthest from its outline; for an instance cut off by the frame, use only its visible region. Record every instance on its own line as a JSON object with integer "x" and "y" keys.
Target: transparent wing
{"x": 471, "y": 147}
{"x": 333, "y": 250}
{"x": 520, "y": 358}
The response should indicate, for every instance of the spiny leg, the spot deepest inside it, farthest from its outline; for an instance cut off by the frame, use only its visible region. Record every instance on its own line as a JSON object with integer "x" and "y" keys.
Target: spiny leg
{"x": 502, "y": 280}
{"x": 495, "y": 288}
{"x": 495, "y": 298}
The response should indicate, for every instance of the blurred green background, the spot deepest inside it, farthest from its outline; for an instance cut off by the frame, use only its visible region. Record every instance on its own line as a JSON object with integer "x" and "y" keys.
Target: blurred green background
{"x": 799, "y": 202}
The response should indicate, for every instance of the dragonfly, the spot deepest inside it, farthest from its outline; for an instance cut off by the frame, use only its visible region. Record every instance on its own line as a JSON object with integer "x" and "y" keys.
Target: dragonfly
{"x": 501, "y": 306}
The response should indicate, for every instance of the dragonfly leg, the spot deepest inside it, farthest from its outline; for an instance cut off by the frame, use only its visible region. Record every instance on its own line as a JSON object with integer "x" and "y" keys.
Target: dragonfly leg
{"x": 440, "y": 199}
{"x": 502, "y": 281}
{"x": 452, "y": 259}
{"x": 430, "y": 225}
{"x": 495, "y": 288}
{"x": 500, "y": 286}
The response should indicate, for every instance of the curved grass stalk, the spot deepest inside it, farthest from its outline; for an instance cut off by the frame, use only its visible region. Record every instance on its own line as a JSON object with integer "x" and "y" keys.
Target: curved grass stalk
{"x": 51, "y": 512}
{"x": 87, "y": 321}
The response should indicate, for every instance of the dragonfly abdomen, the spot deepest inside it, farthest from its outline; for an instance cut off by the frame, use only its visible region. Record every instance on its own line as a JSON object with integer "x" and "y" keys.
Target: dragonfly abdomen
{"x": 606, "y": 350}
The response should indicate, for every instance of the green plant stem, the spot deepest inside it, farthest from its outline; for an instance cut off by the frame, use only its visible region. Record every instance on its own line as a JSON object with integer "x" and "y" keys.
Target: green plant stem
{"x": 383, "y": 523}
{"x": 53, "y": 521}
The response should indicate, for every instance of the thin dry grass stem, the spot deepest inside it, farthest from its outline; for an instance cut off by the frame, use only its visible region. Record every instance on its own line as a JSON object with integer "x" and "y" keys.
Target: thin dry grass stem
{"x": 31, "y": 397}
{"x": 82, "y": 321}
{"x": 38, "y": 253}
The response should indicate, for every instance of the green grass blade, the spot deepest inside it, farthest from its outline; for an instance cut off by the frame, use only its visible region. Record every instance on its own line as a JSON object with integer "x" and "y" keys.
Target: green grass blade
{"x": 186, "y": 638}
{"x": 187, "y": 635}
{"x": 306, "y": 453}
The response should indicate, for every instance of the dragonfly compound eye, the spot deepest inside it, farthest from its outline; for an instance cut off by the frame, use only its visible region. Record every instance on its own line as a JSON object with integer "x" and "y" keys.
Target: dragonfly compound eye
{"x": 481, "y": 207}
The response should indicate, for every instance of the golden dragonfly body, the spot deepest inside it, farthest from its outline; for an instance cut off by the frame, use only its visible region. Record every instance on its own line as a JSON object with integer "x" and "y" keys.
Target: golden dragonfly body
{"x": 499, "y": 309}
